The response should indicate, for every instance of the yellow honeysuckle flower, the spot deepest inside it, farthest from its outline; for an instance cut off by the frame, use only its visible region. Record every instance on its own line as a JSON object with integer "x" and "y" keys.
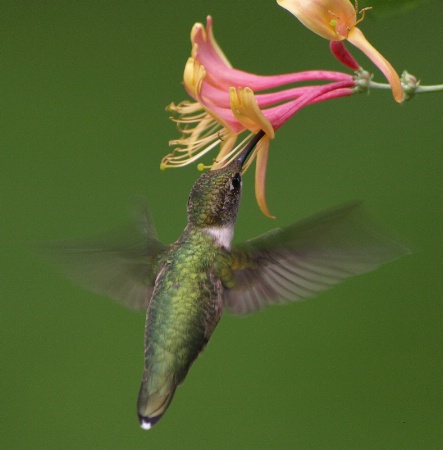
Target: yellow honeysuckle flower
{"x": 336, "y": 20}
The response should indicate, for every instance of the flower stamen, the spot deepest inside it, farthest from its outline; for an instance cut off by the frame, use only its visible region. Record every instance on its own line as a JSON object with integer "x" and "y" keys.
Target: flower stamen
{"x": 362, "y": 12}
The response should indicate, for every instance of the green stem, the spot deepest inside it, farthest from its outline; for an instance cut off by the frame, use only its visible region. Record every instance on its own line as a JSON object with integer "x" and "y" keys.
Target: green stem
{"x": 375, "y": 85}
{"x": 436, "y": 87}
{"x": 419, "y": 89}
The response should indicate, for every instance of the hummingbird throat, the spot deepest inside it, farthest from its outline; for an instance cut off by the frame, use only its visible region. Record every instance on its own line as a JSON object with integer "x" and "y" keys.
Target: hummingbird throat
{"x": 222, "y": 235}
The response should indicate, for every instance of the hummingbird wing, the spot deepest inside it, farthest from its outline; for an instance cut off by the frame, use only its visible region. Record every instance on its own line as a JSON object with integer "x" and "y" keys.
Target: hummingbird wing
{"x": 303, "y": 259}
{"x": 120, "y": 264}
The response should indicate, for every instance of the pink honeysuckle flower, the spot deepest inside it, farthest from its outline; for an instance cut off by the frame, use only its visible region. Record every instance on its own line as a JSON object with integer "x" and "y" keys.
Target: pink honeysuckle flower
{"x": 228, "y": 106}
{"x": 336, "y": 20}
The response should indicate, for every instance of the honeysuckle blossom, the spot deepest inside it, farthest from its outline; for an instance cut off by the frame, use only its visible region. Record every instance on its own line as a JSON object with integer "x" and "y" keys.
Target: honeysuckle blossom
{"x": 229, "y": 106}
{"x": 336, "y": 20}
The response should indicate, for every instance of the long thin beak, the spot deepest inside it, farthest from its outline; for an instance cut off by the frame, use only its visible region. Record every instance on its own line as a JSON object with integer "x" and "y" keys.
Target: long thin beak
{"x": 247, "y": 150}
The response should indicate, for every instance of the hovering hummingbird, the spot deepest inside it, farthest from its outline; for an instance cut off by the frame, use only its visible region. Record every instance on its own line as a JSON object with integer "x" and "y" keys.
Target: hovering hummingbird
{"x": 184, "y": 287}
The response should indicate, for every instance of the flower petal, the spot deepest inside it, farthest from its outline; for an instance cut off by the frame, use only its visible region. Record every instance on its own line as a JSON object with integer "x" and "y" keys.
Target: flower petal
{"x": 280, "y": 114}
{"x": 260, "y": 175}
{"x": 339, "y": 50}
{"x": 203, "y": 40}
{"x": 205, "y": 52}
{"x": 246, "y": 111}
{"x": 318, "y": 14}
{"x": 212, "y": 41}
{"x": 357, "y": 38}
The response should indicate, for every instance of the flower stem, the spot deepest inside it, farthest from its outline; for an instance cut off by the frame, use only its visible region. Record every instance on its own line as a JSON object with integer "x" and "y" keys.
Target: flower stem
{"x": 418, "y": 89}
{"x": 375, "y": 85}
{"x": 433, "y": 88}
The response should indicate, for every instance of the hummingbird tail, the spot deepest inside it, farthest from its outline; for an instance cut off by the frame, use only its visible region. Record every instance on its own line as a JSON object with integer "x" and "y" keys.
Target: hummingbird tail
{"x": 151, "y": 407}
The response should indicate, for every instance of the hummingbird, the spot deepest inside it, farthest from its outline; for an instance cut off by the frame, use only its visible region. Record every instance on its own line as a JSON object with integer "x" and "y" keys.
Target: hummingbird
{"x": 184, "y": 287}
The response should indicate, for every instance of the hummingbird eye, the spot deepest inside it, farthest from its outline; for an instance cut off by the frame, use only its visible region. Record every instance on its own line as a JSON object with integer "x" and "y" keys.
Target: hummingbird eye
{"x": 236, "y": 182}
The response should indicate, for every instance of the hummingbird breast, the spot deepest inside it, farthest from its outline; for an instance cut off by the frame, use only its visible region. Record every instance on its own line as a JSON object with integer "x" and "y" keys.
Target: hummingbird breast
{"x": 185, "y": 307}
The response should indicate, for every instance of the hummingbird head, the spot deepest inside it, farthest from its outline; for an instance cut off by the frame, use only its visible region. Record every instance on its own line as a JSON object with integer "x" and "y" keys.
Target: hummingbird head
{"x": 215, "y": 197}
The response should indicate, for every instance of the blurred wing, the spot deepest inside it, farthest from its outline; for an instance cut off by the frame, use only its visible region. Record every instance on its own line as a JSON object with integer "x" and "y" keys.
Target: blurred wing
{"x": 120, "y": 265}
{"x": 301, "y": 260}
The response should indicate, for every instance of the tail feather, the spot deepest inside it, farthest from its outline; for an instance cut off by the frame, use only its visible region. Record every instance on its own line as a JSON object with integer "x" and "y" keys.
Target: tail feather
{"x": 152, "y": 406}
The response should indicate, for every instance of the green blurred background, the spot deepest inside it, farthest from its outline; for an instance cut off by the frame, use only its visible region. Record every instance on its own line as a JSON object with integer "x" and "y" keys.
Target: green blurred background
{"x": 84, "y": 86}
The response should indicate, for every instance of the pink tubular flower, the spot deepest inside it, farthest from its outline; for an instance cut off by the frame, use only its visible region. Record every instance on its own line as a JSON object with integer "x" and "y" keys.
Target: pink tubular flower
{"x": 336, "y": 20}
{"x": 228, "y": 103}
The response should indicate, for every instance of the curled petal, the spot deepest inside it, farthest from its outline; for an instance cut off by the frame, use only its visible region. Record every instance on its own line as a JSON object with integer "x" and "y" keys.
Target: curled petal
{"x": 246, "y": 111}
{"x": 260, "y": 175}
{"x": 357, "y": 38}
{"x": 191, "y": 75}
